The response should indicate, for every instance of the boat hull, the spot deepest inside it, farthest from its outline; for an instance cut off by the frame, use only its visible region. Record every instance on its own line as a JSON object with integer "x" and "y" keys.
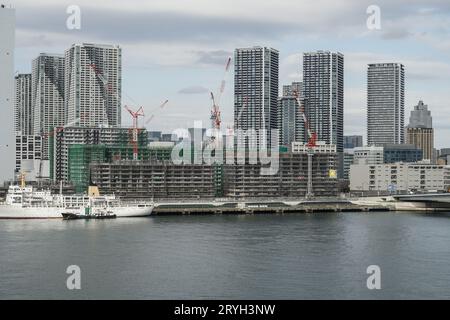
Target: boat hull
{"x": 16, "y": 212}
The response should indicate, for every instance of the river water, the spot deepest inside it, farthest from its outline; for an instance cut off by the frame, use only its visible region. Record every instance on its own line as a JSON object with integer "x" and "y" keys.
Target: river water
{"x": 295, "y": 256}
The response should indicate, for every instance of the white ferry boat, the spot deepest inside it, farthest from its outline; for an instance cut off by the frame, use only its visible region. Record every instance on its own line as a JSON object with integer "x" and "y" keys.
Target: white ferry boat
{"x": 23, "y": 202}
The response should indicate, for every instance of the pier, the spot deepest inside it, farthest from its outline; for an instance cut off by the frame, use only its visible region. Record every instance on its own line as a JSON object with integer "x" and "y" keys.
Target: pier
{"x": 264, "y": 207}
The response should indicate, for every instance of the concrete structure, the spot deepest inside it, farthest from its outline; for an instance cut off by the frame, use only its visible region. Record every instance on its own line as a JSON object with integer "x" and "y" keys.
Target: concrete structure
{"x": 47, "y": 95}
{"x": 368, "y": 155}
{"x": 35, "y": 171}
{"x": 444, "y": 156}
{"x": 64, "y": 137}
{"x": 7, "y": 40}
{"x": 390, "y": 153}
{"x": 245, "y": 180}
{"x": 447, "y": 178}
{"x": 397, "y": 177}
{"x": 23, "y": 107}
{"x": 158, "y": 180}
{"x": 256, "y": 89}
{"x": 385, "y": 104}
{"x": 290, "y": 121}
{"x": 420, "y": 131}
{"x": 351, "y": 142}
{"x": 93, "y": 85}
{"x": 349, "y": 158}
{"x": 28, "y": 147}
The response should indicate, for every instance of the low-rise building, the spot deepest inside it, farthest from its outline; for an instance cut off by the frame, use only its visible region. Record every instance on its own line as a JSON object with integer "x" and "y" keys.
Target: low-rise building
{"x": 157, "y": 180}
{"x": 246, "y": 180}
{"x": 397, "y": 177}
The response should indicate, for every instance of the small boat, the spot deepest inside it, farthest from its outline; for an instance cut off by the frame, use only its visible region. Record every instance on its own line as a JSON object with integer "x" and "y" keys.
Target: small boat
{"x": 75, "y": 216}
{"x": 88, "y": 214}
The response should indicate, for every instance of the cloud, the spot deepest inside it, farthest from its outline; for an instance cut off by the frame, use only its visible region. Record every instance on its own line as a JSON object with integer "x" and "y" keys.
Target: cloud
{"x": 193, "y": 90}
{"x": 395, "y": 34}
{"x": 215, "y": 57}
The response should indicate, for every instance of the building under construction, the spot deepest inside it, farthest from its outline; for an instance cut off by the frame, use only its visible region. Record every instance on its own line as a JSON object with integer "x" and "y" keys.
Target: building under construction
{"x": 62, "y": 138}
{"x": 162, "y": 179}
{"x": 154, "y": 179}
{"x": 291, "y": 179}
{"x": 81, "y": 156}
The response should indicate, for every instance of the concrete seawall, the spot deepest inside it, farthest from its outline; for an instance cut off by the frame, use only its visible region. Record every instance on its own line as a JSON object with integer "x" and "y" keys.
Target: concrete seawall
{"x": 263, "y": 207}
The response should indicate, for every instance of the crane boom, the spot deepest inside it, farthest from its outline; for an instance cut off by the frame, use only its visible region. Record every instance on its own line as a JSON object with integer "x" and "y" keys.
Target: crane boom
{"x": 215, "y": 111}
{"x": 312, "y": 136}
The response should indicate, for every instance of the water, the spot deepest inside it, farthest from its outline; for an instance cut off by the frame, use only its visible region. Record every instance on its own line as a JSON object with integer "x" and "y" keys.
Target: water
{"x": 229, "y": 257}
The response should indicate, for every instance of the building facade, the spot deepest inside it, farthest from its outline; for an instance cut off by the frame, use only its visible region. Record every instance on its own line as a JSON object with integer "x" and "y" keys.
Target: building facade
{"x": 368, "y": 155}
{"x": 401, "y": 153}
{"x": 385, "y": 104}
{"x": 323, "y": 85}
{"x": 290, "y": 121}
{"x": 290, "y": 89}
{"x": 397, "y": 177}
{"x": 64, "y": 137}
{"x": 154, "y": 179}
{"x": 7, "y": 43}
{"x": 29, "y": 158}
{"x": 47, "y": 95}
{"x": 93, "y": 85}
{"x": 351, "y": 142}
{"x": 246, "y": 181}
{"x": 420, "y": 130}
{"x": 256, "y": 89}
{"x": 23, "y": 108}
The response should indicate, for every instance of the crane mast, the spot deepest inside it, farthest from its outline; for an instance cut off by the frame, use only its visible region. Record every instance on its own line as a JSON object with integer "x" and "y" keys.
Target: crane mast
{"x": 216, "y": 120}
{"x": 310, "y": 145}
{"x": 135, "y": 130}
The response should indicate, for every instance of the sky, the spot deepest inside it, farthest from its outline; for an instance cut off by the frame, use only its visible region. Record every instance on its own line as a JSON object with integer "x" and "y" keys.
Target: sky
{"x": 177, "y": 49}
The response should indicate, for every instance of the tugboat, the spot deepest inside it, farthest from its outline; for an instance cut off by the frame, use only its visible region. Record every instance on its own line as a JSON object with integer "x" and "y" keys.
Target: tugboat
{"x": 88, "y": 215}
{"x": 90, "y": 211}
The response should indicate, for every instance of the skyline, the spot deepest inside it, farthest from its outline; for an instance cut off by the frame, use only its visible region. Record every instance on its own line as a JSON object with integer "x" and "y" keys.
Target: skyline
{"x": 182, "y": 64}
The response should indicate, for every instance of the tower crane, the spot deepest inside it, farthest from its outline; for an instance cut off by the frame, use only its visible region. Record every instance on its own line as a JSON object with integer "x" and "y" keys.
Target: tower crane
{"x": 135, "y": 130}
{"x": 310, "y": 145}
{"x": 216, "y": 120}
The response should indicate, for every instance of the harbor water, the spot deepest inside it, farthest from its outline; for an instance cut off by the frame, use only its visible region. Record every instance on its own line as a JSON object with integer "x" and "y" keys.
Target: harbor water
{"x": 291, "y": 256}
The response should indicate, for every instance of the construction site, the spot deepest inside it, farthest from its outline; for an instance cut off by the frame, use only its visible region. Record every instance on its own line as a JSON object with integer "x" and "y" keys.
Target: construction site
{"x": 121, "y": 161}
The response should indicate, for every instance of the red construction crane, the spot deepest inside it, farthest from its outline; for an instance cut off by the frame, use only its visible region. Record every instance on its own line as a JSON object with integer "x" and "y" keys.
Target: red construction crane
{"x": 215, "y": 111}
{"x": 311, "y": 144}
{"x": 135, "y": 130}
{"x": 312, "y": 136}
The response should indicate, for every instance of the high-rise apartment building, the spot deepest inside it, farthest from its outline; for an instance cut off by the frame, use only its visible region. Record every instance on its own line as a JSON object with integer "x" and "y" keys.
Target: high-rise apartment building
{"x": 420, "y": 130}
{"x": 385, "y": 103}
{"x": 323, "y": 94}
{"x": 256, "y": 89}
{"x": 290, "y": 121}
{"x": 7, "y": 37}
{"x": 93, "y": 85}
{"x": 47, "y": 95}
{"x": 323, "y": 84}
{"x": 23, "y": 108}
{"x": 290, "y": 89}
